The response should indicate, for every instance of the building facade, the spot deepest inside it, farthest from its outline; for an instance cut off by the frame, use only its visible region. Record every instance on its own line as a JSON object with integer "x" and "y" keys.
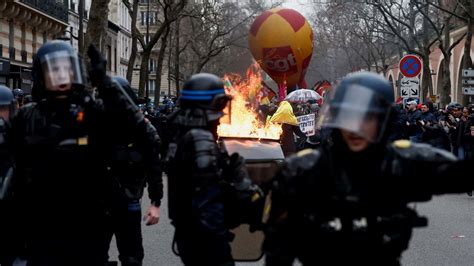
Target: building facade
{"x": 147, "y": 24}
{"x": 436, "y": 61}
{"x": 27, "y": 24}
{"x": 24, "y": 26}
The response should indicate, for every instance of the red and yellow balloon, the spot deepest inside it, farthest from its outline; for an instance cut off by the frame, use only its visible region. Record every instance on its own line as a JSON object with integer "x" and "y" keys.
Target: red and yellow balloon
{"x": 281, "y": 40}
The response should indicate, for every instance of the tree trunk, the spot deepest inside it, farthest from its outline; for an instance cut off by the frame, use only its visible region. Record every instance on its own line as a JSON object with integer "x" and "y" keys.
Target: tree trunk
{"x": 427, "y": 84}
{"x": 467, "y": 45}
{"x": 97, "y": 25}
{"x": 445, "y": 89}
{"x": 159, "y": 67}
{"x": 133, "y": 52}
{"x": 427, "y": 81}
{"x": 467, "y": 55}
{"x": 176, "y": 70}
{"x": 172, "y": 13}
{"x": 144, "y": 72}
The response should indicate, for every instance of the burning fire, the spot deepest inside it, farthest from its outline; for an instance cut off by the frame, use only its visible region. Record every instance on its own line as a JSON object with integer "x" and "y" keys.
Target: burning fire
{"x": 243, "y": 121}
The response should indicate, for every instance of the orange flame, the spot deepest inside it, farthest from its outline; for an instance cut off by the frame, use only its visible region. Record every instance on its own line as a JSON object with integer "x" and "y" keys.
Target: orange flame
{"x": 244, "y": 122}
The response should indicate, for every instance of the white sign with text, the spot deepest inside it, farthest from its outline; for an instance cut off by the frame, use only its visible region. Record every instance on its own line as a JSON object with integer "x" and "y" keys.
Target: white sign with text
{"x": 307, "y": 124}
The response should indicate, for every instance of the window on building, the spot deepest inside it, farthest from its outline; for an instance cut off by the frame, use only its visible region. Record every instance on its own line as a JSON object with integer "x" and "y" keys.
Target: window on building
{"x": 108, "y": 52}
{"x": 152, "y": 65}
{"x": 11, "y": 34}
{"x": 151, "y": 87}
{"x": 73, "y": 5}
{"x": 152, "y": 18}
{"x": 143, "y": 18}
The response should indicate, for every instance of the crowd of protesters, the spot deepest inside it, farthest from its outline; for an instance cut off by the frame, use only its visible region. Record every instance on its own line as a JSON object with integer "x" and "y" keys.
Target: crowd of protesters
{"x": 451, "y": 128}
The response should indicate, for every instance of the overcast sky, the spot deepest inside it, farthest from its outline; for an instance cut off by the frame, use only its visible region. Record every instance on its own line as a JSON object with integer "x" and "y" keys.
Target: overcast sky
{"x": 302, "y": 6}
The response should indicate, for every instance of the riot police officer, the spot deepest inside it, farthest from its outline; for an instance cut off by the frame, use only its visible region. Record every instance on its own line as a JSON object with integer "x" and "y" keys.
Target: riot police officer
{"x": 346, "y": 202}
{"x": 135, "y": 162}
{"x": 7, "y": 111}
{"x": 63, "y": 144}
{"x": 19, "y": 96}
{"x": 201, "y": 176}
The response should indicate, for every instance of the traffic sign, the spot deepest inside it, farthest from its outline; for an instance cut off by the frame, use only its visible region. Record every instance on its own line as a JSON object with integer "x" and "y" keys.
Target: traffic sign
{"x": 467, "y": 81}
{"x": 410, "y": 87}
{"x": 410, "y": 66}
{"x": 468, "y": 90}
{"x": 468, "y": 73}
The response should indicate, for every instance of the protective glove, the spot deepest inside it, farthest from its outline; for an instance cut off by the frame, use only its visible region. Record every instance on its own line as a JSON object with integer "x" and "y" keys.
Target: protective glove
{"x": 235, "y": 170}
{"x": 97, "y": 66}
{"x": 240, "y": 178}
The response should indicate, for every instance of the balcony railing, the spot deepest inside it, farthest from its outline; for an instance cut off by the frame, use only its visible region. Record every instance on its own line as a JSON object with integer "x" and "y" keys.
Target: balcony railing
{"x": 54, "y": 8}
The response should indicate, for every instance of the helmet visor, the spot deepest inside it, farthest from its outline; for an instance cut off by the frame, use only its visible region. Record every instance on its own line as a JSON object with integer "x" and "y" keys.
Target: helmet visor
{"x": 61, "y": 70}
{"x": 357, "y": 109}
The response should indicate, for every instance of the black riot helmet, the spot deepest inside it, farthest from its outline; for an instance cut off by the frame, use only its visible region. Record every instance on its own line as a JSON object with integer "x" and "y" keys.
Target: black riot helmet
{"x": 56, "y": 70}
{"x": 7, "y": 101}
{"x": 205, "y": 91}
{"x": 18, "y": 93}
{"x": 454, "y": 105}
{"x": 123, "y": 82}
{"x": 361, "y": 102}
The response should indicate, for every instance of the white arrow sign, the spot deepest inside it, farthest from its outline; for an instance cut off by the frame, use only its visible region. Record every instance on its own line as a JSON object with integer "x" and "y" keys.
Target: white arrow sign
{"x": 410, "y": 87}
{"x": 468, "y": 90}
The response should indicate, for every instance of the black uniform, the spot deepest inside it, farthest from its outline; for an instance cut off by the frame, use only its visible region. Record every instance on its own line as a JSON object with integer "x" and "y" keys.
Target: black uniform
{"x": 9, "y": 247}
{"x": 346, "y": 205}
{"x": 135, "y": 163}
{"x": 202, "y": 178}
{"x": 7, "y": 250}
{"x": 63, "y": 144}
{"x": 330, "y": 207}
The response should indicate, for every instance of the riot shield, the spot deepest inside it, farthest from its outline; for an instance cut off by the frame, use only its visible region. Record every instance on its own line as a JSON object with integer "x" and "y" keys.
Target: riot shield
{"x": 262, "y": 160}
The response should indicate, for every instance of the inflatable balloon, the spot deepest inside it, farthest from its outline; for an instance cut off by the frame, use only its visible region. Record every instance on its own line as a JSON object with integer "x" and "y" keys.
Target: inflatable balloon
{"x": 281, "y": 40}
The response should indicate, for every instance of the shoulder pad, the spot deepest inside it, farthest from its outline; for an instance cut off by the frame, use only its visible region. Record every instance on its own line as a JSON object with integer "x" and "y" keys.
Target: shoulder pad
{"x": 420, "y": 152}
{"x": 202, "y": 140}
{"x": 198, "y": 134}
{"x": 29, "y": 105}
{"x": 301, "y": 162}
{"x": 27, "y": 110}
{"x": 205, "y": 147}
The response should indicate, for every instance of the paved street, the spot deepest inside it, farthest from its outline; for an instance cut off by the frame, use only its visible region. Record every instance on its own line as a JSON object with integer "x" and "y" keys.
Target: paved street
{"x": 449, "y": 239}
{"x": 156, "y": 239}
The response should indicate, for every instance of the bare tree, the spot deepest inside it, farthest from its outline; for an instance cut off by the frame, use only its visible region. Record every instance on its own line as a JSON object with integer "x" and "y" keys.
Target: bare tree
{"x": 406, "y": 21}
{"x": 136, "y": 36}
{"x": 170, "y": 11}
{"x": 441, "y": 28}
{"x": 97, "y": 26}
{"x": 420, "y": 30}
{"x": 348, "y": 37}
{"x": 462, "y": 11}
{"x": 159, "y": 67}
{"x": 213, "y": 34}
